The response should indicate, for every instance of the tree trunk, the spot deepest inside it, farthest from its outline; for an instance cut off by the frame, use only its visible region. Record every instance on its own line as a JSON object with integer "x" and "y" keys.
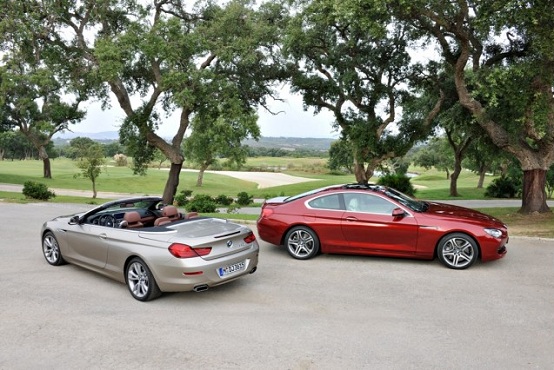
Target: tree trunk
{"x": 534, "y": 193}
{"x": 458, "y": 155}
{"x": 359, "y": 172}
{"x": 94, "y": 189}
{"x": 46, "y": 168}
{"x": 482, "y": 173}
{"x": 172, "y": 183}
{"x": 454, "y": 180}
{"x": 200, "y": 178}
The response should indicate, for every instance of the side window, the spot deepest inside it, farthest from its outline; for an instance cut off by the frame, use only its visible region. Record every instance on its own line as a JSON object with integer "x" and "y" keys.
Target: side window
{"x": 358, "y": 202}
{"x": 326, "y": 202}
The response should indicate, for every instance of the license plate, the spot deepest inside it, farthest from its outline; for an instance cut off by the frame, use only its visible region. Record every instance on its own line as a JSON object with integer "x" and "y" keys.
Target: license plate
{"x": 231, "y": 269}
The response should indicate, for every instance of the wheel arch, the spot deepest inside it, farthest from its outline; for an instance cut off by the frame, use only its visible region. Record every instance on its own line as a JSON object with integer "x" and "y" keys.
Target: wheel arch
{"x": 282, "y": 241}
{"x": 450, "y": 232}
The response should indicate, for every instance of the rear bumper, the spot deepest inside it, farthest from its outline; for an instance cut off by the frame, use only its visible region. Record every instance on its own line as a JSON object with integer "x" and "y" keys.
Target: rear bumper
{"x": 181, "y": 275}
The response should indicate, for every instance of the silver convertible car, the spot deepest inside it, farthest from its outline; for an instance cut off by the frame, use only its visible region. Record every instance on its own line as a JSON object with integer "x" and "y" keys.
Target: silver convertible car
{"x": 152, "y": 247}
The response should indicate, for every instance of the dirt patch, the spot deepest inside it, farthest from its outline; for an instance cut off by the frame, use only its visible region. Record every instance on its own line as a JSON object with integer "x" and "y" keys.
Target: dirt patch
{"x": 263, "y": 179}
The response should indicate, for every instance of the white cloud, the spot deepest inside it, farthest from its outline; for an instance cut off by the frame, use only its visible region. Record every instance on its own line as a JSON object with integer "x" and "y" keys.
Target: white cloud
{"x": 291, "y": 121}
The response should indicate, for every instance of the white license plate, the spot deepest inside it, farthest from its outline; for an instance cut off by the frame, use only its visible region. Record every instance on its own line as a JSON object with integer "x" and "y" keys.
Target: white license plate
{"x": 231, "y": 269}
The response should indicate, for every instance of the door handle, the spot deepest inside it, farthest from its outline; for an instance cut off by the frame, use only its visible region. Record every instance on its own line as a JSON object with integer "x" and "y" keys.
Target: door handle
{"x": 350, "y": 218}
{"x": 103, "y": 236}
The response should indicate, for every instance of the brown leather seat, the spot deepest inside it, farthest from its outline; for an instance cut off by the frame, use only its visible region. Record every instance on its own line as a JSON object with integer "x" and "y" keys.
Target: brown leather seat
{"x": 133, "y": 219}
{"x": 161, "y": 221}
{"x": 171, "y": 212}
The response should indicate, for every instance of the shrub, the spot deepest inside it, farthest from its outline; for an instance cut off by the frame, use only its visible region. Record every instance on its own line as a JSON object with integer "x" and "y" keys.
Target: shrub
{"x": 201, "y": 203}
{"x": 243, "y": 199}
{"x": 399, "y": 182}
{"x": 502, "y": 187}
{"x": 223, "y": 200}
{"x": 181, "y": 199}
{"x": 36, "y": 190}
{"x": 120, "y": 160}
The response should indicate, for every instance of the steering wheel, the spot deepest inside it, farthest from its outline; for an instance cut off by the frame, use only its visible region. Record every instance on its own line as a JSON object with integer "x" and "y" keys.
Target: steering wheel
{"x": 107, "y": 220}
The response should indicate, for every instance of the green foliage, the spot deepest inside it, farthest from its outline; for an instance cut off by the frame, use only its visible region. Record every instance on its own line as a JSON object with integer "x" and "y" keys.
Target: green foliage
{"x": 223, "y": 200}
{"x": 201, "y": 203}
{"x": 352, "y": 65}
{"x": 36, "y": 190}
{"x": 399, "y": 182}
{"x": 503, "y": 187}
{"x": 550, "y": 182}
{"x": 91, "y": 163}
{"x": 435, "y": 153}
{"x": 182, "y": 198}
{"x": 244, "y": 199}
{"x": 341, "y": 156}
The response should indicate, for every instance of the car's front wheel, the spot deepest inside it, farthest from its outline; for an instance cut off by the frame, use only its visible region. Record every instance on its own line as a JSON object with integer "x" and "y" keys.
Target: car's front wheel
{"x": 51, "y": 250}
{"x": 302, "y": 242}
{"x": 457, "y": 251}
{"x": 140, "y": 281}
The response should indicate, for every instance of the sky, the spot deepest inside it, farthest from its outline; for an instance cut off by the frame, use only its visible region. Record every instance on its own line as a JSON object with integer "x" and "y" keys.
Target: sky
{"x": 292, "y": 121}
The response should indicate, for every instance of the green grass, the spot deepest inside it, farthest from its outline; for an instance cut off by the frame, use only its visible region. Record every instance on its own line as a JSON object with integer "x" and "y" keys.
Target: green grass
{"x": 431, "y": 184}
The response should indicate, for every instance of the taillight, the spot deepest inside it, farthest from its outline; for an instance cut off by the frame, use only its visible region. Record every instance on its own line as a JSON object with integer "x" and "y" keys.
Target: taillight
{"x": 186, "y": 251}
{"x": 266, "y": 212}
{"x": 250, "y": 238}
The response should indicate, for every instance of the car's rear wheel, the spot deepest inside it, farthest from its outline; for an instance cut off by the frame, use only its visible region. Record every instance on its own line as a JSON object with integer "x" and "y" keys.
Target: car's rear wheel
{"x": 51, "y": 250}
{"x": 140, "y": 281}
{"x": 457, "y": 251}
{"x": 302, "y": 242}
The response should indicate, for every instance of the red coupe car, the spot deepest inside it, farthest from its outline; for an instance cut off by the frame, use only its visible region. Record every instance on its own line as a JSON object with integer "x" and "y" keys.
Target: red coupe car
{"x": 377, "y": 220}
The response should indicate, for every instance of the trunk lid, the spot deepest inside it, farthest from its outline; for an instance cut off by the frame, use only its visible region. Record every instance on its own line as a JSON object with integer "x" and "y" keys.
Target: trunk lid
{"x": 222, "y": 236}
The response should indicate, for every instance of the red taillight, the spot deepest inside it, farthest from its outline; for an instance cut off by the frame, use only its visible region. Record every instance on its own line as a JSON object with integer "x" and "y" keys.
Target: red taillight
{"x": 250, "y": 238}
{"x": 186, "y": 251}
{"x": 266, "y": 212}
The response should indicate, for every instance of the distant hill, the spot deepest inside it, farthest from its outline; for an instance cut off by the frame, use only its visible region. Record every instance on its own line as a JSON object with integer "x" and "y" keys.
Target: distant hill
{"x": 291, "y": 143}
{"x": 105, "y": 135}
{"x": 285, "y": 143}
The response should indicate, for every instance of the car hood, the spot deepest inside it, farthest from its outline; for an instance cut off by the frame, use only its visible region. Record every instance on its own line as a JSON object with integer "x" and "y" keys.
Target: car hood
{"x": 456, "y": 212}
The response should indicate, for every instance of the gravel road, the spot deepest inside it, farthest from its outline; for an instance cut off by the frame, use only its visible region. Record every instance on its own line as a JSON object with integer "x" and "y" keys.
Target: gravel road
{"x": 331, "y": 312}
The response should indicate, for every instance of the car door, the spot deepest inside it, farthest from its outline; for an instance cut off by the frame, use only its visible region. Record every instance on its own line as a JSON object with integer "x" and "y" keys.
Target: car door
{"x": 87, "y": 243}
{"x": 324, "y": 215}
{"x": 369, "y": 226}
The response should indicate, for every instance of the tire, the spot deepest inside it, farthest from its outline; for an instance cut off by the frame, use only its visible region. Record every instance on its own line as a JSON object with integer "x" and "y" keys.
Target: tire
{"x": 457, "y": 251}
{"x": 302, "y": 243}
{"x": 51, "y": 250}
{"x": 140, "y": 281}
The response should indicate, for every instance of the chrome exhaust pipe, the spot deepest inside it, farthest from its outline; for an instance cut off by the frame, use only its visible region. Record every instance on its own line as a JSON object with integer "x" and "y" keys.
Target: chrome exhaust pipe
{"x": 200, "y": 288}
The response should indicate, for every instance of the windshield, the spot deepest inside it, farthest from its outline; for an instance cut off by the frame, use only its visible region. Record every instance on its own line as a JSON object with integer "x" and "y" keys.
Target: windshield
{"x": 414, "y": 205}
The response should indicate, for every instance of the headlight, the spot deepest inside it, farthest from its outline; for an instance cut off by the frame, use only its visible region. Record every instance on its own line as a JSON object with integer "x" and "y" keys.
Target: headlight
{"x": 494, "y": 232}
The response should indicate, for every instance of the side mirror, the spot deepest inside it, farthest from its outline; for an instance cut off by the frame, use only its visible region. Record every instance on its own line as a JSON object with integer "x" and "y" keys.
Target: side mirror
{"x": 74, "y": 220}
{"x": 398, "y": 212}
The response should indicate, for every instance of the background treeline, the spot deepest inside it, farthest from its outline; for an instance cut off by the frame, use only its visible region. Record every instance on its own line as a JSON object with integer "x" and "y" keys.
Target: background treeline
{"x": 392, "y": 74}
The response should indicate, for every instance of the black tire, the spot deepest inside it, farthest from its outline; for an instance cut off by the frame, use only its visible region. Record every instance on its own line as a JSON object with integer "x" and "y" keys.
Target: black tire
{"x": 51, "y": 250}
{"x": 302, "y": 243}
{"x": 457, "y": 251}
{"x": 140, "y": 281}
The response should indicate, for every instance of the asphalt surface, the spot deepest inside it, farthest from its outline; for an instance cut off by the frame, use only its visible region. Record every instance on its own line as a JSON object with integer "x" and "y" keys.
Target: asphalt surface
{"x": 331, "y": 312}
